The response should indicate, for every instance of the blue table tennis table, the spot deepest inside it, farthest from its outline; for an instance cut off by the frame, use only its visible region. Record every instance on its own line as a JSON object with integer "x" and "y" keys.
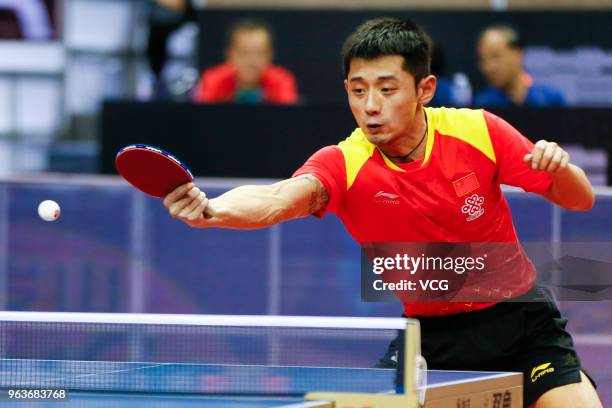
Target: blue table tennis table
{"x": 152, "y": 385}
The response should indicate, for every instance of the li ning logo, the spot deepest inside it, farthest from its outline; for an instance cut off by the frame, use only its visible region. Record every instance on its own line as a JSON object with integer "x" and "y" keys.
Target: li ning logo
{"x": 386, "y": 198}
{"x": 541, "y": 370}
{"x": 473, "y": 207}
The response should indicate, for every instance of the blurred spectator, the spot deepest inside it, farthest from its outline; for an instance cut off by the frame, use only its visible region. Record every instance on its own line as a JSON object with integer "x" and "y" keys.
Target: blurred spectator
{"x": 500, "y": 56}
{"x": 450, "y": 92}
{"x": 248, "y": 75}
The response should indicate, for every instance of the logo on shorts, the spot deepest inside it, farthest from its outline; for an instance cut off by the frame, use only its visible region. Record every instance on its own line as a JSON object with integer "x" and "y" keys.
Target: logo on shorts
{"x": 473, "y": 207}
{"x": 541, "y": 370}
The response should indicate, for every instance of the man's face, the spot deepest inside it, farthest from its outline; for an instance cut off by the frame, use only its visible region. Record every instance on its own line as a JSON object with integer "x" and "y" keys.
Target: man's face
{"x": 382, "y": 97}
{"x": 250, "y": 52}
{"x": 500, "y": 63}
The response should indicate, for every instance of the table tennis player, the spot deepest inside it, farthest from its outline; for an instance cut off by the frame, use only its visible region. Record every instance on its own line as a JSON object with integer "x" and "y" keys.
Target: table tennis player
{"x": 430, "y": 163}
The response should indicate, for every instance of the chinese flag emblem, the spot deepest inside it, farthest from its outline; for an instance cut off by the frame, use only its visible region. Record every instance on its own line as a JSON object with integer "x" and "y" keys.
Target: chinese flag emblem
{"x": 466, "y": 184}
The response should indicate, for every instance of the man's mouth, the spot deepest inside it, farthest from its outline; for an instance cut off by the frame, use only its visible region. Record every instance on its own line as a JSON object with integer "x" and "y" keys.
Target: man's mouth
{"x": 374, "y": 127}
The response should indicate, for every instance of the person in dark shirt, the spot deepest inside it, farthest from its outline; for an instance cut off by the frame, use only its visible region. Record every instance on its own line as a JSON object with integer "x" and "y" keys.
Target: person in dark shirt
{"x": 500, "y": 56}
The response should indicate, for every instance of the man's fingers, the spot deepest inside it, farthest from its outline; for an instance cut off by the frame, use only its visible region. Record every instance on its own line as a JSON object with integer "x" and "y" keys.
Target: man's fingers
{"x": 176, "y": 207}
{"x": 198, "y": 213}
{"x": 177, "y": 193}
{"x": 547, "y": 155}
{"x": 527, "y": 158}
{"x": 537, "y": 153}
{"x": 191, "y": 206}
{"x": 194, "y": 192}
{"x": 564, "y": 161}
{"x": 555, "y": 162}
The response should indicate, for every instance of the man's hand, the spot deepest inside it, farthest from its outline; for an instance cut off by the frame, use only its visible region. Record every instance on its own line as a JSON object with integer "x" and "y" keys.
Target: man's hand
{"x": 547, "y": 156}
{"x": 570, "y": 188}
{"x": 187, "y": 203}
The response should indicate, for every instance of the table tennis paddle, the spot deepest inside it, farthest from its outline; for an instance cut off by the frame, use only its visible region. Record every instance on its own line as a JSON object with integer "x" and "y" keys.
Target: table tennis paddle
{"x": 153, "y": 171}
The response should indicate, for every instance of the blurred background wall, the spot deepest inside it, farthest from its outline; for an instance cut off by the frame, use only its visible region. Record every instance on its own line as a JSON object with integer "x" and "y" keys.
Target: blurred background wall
{"x": 53, "y": 81}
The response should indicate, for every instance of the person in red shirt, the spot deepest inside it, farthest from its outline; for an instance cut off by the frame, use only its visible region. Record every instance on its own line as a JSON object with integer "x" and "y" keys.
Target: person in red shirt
{"x": 248, "y": 75}
{"x": 414, "y": 174}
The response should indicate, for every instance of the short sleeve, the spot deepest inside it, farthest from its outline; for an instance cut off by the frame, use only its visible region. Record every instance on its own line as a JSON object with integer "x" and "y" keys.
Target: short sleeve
{"x": 510, "y": 147}
{"x": 328, "y": 166}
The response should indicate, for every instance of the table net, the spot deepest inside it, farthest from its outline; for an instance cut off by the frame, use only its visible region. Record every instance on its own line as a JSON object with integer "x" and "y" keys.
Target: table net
{"x": 193, "y": 353}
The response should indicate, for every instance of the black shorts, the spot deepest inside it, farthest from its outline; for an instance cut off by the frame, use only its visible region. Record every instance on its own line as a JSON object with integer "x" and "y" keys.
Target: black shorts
{"x": 520, "y": 336}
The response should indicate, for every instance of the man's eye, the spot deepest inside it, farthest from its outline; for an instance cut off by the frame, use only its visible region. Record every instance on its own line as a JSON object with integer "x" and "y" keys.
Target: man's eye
{"x": 358, "y": 91}
{"x": 387, "y": 90}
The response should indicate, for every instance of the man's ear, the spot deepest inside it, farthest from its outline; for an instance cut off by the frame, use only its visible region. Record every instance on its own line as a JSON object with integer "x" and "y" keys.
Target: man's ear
{"x": 426, "y": 89}
{"x": 346, "y": 85}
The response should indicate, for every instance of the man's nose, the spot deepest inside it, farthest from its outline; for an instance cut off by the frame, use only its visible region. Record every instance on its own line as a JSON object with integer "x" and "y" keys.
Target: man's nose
{"x": 373, "y": 103}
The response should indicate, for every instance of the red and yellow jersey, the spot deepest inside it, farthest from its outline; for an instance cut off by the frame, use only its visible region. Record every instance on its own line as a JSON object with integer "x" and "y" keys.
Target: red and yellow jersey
{"x": 452, "y": 195}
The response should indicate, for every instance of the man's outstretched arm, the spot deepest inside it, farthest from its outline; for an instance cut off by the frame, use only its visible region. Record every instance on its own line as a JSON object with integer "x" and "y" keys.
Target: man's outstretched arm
{"x": 249, "y": 207}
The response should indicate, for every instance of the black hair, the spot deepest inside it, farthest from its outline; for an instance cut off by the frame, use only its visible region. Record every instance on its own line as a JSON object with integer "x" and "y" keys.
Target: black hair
{"x": 248, "y": 24}
{"x": 512, "y": 36}
{"x": 390, "y": 36}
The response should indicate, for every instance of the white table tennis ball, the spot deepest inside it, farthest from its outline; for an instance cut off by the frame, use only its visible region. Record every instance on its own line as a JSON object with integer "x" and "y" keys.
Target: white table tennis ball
{"x": 49, "y": 210}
